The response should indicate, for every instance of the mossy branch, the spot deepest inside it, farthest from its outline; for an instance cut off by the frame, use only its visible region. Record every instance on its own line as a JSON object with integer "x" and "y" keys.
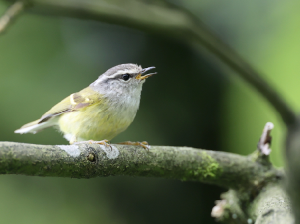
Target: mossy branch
{"x": 169, "y": 20}
{"x": 92, "y": 160}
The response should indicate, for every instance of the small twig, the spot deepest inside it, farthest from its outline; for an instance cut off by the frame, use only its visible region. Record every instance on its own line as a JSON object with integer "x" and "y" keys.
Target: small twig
{"x": 10, "y": 14}
{"x": 218, "y": 210}
{"x": 265, "y": 139}
{"x": 228, "y": 210}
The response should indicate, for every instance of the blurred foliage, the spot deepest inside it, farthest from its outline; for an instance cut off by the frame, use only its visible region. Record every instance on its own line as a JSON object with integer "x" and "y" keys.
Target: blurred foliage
{"x": 193, "y": 101}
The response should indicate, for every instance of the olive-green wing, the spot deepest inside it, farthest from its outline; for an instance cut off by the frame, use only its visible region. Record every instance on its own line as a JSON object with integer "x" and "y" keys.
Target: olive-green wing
{"x": 74, "y": 102}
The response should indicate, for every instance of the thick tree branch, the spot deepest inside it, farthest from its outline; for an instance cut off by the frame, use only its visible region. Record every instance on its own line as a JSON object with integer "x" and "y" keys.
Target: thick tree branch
{"x": 267, "y": 203}
{"x": 293, "y": 168}
{"x": 169, "y": 20}
{"x": 92, "y": 160}
{"x": 272, "y": 205}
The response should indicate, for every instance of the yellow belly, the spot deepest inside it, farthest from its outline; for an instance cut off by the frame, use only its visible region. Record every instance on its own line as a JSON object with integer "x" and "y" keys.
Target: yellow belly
{"x": 94, "y": 123}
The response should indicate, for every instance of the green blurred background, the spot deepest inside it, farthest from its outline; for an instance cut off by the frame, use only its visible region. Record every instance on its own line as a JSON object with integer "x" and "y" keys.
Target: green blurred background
{"x": 192, "y": 101}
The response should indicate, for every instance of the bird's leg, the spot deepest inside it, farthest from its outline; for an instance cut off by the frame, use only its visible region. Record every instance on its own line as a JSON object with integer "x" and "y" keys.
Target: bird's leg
{"x": 144, "y": 144}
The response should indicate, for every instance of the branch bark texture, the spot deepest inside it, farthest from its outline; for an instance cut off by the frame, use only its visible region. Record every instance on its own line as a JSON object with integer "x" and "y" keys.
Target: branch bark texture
{"x": 92, "y": 160}
{"x": 272, "y": 206}
{"x": 293, "y": 167}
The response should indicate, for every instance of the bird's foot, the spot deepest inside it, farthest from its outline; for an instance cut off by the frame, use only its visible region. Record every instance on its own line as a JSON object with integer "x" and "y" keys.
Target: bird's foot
{"x": 144, "y": 144}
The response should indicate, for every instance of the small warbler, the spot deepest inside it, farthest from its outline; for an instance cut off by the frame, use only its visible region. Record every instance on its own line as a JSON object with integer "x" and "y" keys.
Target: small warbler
{"x": 99, "y": 112}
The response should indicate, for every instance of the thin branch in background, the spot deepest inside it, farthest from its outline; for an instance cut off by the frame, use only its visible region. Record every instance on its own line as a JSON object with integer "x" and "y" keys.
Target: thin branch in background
{"x": 10, "y": 14}
{"x": 166, "y": 19}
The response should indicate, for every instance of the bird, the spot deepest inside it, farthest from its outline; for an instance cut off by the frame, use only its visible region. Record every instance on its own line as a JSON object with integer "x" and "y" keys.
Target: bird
{"x": 99, "y": 112}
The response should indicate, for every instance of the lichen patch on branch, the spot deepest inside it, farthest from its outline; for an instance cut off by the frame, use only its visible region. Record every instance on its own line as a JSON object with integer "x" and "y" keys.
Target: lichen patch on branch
{"x": 72, "y": 150}
{"x": 111, "y": 151}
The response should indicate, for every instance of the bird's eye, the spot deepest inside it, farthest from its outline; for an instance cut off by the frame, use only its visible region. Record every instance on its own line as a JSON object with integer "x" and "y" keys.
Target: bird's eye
{"x": 125, "y": 77}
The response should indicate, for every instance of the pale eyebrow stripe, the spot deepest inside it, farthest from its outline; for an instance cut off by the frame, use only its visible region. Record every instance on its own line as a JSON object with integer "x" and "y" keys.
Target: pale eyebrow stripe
{"x": 121, "y": 72}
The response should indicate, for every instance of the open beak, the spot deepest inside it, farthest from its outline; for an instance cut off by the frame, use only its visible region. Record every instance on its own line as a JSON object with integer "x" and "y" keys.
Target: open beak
{"x": 141, "y": 76}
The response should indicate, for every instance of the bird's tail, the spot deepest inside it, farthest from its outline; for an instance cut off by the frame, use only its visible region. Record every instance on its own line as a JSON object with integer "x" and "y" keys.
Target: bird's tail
{"x": 35, "y": 126}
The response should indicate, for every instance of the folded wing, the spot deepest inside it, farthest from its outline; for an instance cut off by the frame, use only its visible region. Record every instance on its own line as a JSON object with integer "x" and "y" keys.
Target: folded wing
{"x": 74, "y": 102}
